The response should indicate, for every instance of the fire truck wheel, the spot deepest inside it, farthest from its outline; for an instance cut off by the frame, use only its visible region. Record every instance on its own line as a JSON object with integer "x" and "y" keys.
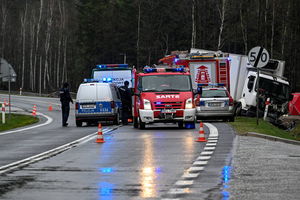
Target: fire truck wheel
{"x": 180, "y": 124}
{"x": 142, "y": 124}
{"x": 135, "y": 122}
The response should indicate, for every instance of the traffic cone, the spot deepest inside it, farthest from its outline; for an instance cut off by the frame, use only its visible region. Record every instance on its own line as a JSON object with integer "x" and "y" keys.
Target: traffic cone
{"x": 201, "y": 137}
{"x": 34, "y": 110}
{"x": 50, "y": 108}
{"x": 100, "y": 138}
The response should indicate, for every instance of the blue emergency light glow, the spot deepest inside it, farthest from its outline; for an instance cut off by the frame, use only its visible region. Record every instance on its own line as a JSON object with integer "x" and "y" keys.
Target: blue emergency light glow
{"x": 112, "y": 66}
{"x": 104, "y": 79}
{"x": 211, "y": 84}
{"x": 109, "y": 79}
{"x": 176, "y": 60}
{"x": 90, "y": 80}
{"x": 149, "y": 70}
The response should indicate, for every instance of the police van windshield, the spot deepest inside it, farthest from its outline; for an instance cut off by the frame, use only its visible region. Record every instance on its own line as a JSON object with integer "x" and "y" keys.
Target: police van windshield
{"x": 162, "y": 83}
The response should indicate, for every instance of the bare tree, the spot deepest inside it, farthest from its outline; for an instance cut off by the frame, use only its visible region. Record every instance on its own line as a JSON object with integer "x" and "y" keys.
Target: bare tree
{"x": 244, "y": 29}
{"x": 273, "y": 24}
{"x": 193, "y": 43}
{"x": 38, "y": 28}
{"x": 47, "y": 42}
{"x": 222, "y": 12}
{"x": 23, "y": 35}
{"x": 4, "y": 12}
{"x": 284, "y": 24}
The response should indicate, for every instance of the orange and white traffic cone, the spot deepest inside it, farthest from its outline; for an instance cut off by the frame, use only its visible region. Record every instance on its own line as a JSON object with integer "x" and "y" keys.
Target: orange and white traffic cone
{"x": 34, "y": 110}
{"x": 50, "y": 108}
{"x": 201, "y": 137}
{"x": 100, "y": 138}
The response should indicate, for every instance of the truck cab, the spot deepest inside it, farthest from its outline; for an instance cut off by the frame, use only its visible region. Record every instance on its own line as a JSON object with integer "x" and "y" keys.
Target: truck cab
{"x": 164, "y": 95}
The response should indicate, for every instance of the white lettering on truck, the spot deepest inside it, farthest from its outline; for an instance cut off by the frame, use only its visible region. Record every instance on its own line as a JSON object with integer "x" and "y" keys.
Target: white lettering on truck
{"x": 170, "y": 96}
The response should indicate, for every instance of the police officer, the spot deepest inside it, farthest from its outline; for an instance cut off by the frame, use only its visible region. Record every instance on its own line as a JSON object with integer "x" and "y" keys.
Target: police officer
{"x": 126, "y": 102}
{"x": 65, "y": 99}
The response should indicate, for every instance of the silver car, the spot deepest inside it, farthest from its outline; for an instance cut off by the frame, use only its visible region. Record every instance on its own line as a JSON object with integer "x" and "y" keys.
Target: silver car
{"x": 215, "y": 103}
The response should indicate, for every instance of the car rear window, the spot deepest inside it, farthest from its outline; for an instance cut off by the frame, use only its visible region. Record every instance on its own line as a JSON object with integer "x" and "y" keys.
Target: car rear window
{"x": 213, "y": 93}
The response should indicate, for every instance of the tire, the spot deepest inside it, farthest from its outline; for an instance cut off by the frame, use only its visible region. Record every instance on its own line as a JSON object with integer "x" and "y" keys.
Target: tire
{"x": 180, "y": 124}
{"x": 117, "y": 119}
{"x": 142, "y": 124}
{"x": 78, "y": 123}
{"x": 135, "y": 122}
{"x": 231, "y": 119}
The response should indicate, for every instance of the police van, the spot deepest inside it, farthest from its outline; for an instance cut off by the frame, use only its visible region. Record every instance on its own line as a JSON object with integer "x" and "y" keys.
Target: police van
{"x": 97, "y": 102}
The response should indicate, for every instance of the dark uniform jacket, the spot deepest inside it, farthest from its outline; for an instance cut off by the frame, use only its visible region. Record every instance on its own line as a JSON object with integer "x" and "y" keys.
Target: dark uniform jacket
{"x": 65, "y": 96}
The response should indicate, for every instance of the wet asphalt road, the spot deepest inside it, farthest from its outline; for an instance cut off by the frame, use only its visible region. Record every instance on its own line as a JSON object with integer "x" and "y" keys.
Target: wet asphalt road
{"x": 131, "y": 164}
{"x": 136, "y": 164}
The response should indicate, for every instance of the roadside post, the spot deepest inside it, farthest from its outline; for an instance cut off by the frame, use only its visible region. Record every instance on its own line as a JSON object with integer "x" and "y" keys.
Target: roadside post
{"x": 3, "y": 113}
{"x": 258, "y": 57}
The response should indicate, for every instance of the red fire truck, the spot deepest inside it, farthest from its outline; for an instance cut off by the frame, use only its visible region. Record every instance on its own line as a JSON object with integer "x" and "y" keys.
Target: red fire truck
{"x": 164, "y": 95}
{"x": 205, "y": 68}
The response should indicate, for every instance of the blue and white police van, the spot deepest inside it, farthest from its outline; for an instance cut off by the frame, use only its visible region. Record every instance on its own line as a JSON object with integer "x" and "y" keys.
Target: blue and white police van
{"x": 97, "y": 102}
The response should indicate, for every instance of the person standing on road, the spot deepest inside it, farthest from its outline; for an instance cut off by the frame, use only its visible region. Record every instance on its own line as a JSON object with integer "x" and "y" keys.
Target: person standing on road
{"x": 126, "y": 102}
{"x": 65, "y": 99}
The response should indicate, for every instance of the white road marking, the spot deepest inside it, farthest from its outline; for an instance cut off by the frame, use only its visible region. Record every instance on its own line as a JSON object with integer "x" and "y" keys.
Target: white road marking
{"x": 212, "y": 141}
{"x": 213, "y": 131}
{"x": 49, "y": 120}
{"x": 184, "y": 183}
{"x": 203, "y": 157}
{"x": 207, "y": 152}
{"x": 209, "y": 148}
{"x": 195, "y": 169}
{"x": 200, "y": 163}
{"x": 190, "y": 175}
{"x": 211, "y": 144}
{"x": 179, "y": 191}
{"x": 47, "y": 154}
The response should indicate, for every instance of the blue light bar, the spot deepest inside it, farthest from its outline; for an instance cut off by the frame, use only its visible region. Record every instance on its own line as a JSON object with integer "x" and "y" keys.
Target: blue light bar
{"x": 111, "y": 66}
{"x": 149, "y": 70}
{"x": 90, "y": 80}
{"x": 211, "y": 84}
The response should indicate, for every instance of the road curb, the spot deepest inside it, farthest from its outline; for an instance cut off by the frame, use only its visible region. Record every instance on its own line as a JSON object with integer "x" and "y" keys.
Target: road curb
{"x": 269, "y": 137}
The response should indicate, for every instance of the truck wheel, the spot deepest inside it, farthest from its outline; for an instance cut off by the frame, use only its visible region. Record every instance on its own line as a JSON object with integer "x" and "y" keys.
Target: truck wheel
{"x": 142, "y": 124}
{"x": 180, "y": 124}
{"x": 117, "y": 119}
{"x": 135, "y": 122}
{"x": 78, "y": 123}
{"x": 238, "y": 110}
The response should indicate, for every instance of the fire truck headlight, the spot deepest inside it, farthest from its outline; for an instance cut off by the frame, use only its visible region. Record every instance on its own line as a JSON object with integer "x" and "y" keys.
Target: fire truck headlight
{"x": 147, "y": 104}
{"x": 189, "y": 103}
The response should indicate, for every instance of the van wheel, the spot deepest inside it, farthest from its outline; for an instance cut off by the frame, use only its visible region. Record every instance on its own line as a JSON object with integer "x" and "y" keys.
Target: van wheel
{"x": 142, "y": 124}
{"x": 135, "y": 122}
{"x": 117, "y": 119}
{"x": 78, "y": 123}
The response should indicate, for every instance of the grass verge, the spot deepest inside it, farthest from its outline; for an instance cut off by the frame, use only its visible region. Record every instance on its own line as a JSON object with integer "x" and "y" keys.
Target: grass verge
{"x": 16, "y": 121}
{"x": 246, "y": 124}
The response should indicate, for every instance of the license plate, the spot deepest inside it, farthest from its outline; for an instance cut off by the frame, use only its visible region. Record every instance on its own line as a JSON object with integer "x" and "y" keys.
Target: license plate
{"x": 88, "y": 106}
{"x": 214, "y": 104}
{"x": 168, "y": 111}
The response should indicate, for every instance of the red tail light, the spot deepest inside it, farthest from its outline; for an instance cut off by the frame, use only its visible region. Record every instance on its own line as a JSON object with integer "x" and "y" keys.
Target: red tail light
{"x": 77, "y": 106}
{"x": 112, "y": 104}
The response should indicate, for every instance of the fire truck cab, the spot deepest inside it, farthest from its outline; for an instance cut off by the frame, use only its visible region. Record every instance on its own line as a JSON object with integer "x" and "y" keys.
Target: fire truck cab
{"x": 164, "y": 95}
